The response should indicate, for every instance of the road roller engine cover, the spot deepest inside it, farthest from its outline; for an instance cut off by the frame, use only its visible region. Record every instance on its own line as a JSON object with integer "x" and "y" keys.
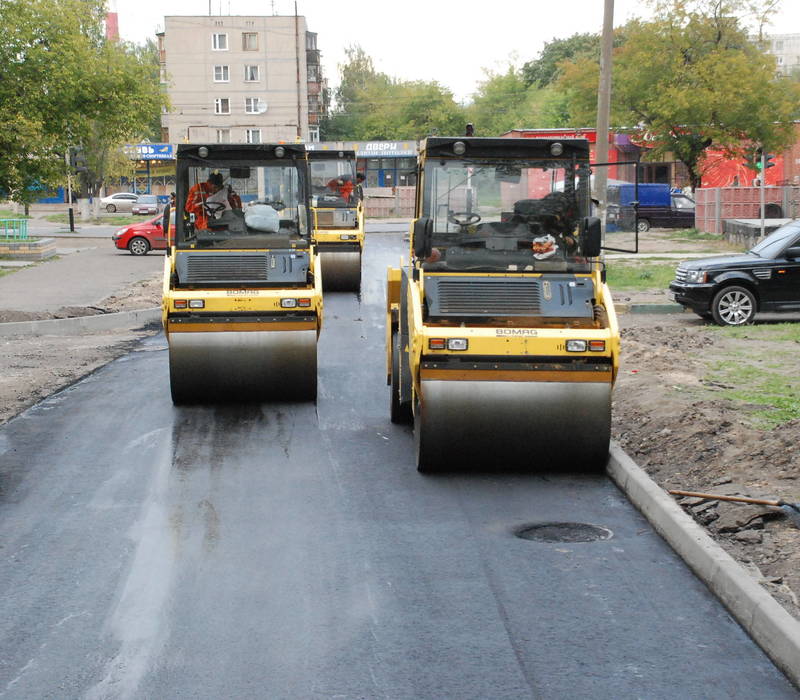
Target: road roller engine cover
{"x": 242, "y": 305}
{"x": 502, "y": 340}
{"x": 338, "y": 217}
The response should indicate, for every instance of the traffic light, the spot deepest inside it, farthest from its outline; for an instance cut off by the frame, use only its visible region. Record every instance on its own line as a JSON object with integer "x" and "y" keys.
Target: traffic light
{"x": 77, "y": 159}
{"x": 768, "y": 159}
{"x": 752, "y": 158}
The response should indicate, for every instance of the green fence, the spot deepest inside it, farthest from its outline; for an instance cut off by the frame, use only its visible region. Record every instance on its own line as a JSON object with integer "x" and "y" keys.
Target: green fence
{"x": 16, "y": 229}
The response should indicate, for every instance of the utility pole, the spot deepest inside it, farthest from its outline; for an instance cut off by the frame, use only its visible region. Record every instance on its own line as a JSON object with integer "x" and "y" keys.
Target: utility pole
{"x": 297, "y": 64}
{"x": 761, "y": 179}
{"x": 603, "y": 110}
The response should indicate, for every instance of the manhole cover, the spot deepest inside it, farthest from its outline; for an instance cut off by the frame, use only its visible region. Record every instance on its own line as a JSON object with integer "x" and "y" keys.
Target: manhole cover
{"x": 563, "y": 532}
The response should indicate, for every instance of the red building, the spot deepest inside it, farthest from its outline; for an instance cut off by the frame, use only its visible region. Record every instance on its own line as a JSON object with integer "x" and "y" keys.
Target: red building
{"x": 717, "y": 171}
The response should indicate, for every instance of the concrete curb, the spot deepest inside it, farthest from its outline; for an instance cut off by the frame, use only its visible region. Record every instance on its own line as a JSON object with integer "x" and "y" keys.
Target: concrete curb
{"x": 83, "y": 324}
{"x": 770, "y": 626}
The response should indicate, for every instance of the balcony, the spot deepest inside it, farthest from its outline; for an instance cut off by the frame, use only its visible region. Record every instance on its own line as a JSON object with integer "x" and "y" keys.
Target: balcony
{"x": 313, "y": 57}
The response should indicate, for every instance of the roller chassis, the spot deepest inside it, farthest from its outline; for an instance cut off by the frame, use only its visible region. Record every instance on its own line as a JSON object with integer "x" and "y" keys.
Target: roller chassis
{"x": 242, "y": 310}
{"x": 340, "y": 251}
{"x": 512, "y": 396}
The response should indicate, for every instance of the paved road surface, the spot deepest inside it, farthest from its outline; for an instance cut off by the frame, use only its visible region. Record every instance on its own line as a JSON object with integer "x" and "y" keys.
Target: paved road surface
{"x": 292, "y": 551}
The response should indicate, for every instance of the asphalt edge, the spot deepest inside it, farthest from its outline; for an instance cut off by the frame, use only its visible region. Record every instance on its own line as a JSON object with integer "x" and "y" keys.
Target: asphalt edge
{"x": 762, "y": 617}
{"x": 79, "y": 324}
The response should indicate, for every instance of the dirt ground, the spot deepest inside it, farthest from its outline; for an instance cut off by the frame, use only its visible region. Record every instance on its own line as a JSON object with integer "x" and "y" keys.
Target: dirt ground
{"x": 667, "y": 414}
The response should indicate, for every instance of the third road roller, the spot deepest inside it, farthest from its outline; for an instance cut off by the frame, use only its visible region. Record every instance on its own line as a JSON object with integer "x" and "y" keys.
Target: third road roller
{"x": 338, "y": 217}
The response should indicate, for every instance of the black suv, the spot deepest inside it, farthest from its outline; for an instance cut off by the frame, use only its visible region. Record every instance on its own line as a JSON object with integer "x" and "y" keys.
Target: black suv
{"x": 731, "y": 289}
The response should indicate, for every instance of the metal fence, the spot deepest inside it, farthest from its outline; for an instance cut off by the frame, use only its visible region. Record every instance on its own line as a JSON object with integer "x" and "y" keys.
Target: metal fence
{"x": 717, "y": 204}
{"x": 14, "y": 229}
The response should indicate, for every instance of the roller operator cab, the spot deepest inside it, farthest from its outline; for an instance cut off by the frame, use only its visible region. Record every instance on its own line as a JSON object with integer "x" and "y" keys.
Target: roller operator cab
{"x": 338, "y": 217}
{"x": 242, "y": 305}
{"x": 502, "y": 340}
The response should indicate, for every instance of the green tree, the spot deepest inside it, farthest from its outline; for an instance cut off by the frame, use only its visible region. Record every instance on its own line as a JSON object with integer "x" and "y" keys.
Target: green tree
{"x": 373, "y": 105}
{"x": 64, "y": 85}
{"x": 500, "y": 103}
{"x": 544, "y": 70}
{"x": 689, "y": 80}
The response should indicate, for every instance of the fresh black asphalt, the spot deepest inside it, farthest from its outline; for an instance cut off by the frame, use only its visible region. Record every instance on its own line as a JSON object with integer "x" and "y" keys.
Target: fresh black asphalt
{"x": 293, "y": 551}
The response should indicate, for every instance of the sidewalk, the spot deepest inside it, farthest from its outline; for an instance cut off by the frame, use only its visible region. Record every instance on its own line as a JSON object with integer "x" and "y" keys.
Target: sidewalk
{"x": 83, "y": 275}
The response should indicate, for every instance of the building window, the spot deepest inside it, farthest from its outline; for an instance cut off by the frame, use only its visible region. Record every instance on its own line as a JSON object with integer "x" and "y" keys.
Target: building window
{"x": 223, "y": 135}
{"x": 254, "y": 105}
{"x": 312, "y": 73}
{"x": 313, "y": 104}
{"x": 222, "y": 105}
{"x": 221, "y": 74}
{"x": 219, "y": 42}
{"x": 313, "y": 134}
{"x": 254, "y": 136}
{"x": 311, "y": 41}
{"x": 779, "y": 46}
{"x": 251, "y": 74}
{"x": 249, "y": 41}
{"x": 162, "y": 74}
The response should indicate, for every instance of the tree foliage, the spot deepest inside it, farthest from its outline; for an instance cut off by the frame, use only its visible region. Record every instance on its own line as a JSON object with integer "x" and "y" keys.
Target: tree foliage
{"x": 689, "y": 80}
{"x": 64, "y": 85}
{"x": 544, "y": 70}
{"x": 373, "y": 105}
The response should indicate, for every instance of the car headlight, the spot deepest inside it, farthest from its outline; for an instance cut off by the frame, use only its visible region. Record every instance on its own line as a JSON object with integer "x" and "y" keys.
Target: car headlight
{"x": 696, "y": 276}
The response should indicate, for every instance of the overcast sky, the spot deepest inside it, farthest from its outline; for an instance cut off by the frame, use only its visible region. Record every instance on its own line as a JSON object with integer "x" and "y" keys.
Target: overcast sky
{"x": 445, "y": 40}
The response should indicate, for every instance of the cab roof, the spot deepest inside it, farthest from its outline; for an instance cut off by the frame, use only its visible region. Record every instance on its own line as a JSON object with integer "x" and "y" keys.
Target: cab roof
{"x": 480, "y": 147}
{"x": 331, "y": 154}
{"x": 240, "y": 151}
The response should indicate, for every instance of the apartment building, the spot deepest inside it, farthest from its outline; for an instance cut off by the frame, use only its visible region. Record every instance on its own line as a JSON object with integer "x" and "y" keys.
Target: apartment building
{"x": 240, "y": 79}
{"x": 786, "y": 49}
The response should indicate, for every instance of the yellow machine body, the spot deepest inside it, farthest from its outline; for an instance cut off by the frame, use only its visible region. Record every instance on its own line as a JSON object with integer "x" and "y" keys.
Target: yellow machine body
{"x": 338, "y": 217}
{"x": 242, "y": 304}
{"x": 500, "y": 368}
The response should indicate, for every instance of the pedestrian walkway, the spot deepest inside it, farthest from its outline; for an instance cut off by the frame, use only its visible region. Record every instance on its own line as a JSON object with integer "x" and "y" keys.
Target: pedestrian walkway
{"x": 84, "y": 277}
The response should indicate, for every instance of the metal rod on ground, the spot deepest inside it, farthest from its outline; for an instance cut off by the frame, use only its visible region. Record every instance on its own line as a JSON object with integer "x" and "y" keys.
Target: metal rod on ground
{"x": 790, "y": 510}
{"x": 603, "y": 109}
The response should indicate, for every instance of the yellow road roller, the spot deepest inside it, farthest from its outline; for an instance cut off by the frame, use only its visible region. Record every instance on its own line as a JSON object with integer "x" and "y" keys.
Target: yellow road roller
{"x": 502, "y": 339}
{"x": 338, "y": 217}
{"x": 242, "y": 304}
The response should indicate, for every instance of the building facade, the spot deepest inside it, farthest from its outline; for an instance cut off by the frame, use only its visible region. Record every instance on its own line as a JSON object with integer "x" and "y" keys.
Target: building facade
{"x": 786, "y": 49}
{"x": 240, "y": 79}
{"x": 383, "y": 163}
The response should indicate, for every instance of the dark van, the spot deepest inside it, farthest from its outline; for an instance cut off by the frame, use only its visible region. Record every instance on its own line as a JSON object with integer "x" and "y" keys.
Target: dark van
{"x": 658, "y": 207}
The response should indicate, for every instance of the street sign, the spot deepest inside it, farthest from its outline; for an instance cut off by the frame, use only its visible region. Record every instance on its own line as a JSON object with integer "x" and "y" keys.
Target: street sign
{"x": 150, "y": 151}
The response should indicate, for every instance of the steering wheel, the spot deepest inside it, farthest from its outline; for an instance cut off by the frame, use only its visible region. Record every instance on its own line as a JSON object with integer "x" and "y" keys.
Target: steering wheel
{"x": 214, "y": 207}
{"x": 463, "y": 218}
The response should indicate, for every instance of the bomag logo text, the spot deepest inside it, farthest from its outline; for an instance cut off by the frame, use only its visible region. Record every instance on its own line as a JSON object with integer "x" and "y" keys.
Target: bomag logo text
{"x": 516, "y": 332}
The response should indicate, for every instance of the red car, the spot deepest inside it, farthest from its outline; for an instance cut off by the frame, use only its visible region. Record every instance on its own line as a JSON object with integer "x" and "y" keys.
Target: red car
{"x": 140, "y": 239}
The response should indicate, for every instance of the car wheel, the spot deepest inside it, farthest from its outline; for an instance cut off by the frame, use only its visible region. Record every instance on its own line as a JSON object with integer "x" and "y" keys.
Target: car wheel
{"x": 110, "y": 208}
{"x": 642, "y": 225}
{"x": 734, "y": 306}
{"x": 138, "y": 246}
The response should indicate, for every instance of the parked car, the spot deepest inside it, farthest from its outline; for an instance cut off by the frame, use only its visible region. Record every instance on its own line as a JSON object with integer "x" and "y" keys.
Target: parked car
{"x": 658, "y": 207}
{"x": 120, "y": 201}
{"x": 146, "y": 204}
{"x": 140, "y": 239}
{"x": 731, "y": 289}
